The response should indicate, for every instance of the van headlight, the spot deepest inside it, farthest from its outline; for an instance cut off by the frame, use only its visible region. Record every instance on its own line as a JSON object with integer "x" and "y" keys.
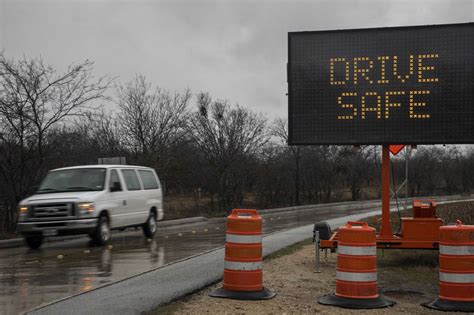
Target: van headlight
{"x": 86, "y": 207}
{"x": 22, "y": 211}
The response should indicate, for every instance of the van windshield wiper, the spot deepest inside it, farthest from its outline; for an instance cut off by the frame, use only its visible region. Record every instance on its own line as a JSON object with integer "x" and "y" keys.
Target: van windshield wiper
{"x": 46, "y": 190}
{"x": 79, "y": 188}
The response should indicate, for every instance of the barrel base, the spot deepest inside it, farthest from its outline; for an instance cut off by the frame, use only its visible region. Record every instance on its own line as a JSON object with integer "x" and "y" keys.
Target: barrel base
{"x": 264, "y": 294}
{"x": 335, "y": 300}
{"x": 445, "y": 305}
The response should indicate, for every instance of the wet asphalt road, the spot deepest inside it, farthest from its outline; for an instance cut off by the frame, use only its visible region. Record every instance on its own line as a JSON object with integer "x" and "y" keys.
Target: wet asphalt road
{"x": 30, "y": 278}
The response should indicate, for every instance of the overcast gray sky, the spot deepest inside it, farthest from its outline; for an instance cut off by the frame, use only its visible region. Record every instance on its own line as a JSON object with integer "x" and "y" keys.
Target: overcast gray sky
{"x": 236, "y": 50}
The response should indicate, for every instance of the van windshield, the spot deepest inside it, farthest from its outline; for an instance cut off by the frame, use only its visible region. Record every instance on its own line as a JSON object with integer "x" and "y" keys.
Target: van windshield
{"x": 82, "y": 179}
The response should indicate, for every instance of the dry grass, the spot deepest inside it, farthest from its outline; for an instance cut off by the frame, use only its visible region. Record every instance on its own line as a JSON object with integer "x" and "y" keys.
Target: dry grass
{"x": 459, "y": 210}
{"x": 185, "y": 206}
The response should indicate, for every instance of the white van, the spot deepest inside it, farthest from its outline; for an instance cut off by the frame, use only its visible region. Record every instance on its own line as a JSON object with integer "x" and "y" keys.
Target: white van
{"x": 92, "y": 199}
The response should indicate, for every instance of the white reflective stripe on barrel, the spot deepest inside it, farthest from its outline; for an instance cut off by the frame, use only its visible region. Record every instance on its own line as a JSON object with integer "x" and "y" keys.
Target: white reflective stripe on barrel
{"x": 357, "y": 250}
{"x": 237, "y": 265}
{"x": 356, "y": 276}
{"x": 456, "y": 250}
{"x": 456, "y": 277}
{"x": 243, "y": 239}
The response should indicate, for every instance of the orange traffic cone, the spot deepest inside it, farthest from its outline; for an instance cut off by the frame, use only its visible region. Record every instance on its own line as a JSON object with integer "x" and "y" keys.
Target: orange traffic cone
{"x": 243, "y": 276}
{"x": 356, "y": 274}
{"x": 456, "y": 269}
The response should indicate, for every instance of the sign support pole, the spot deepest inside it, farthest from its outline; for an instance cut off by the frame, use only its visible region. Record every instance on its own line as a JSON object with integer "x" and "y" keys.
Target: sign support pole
{"x": 386, "y": 228}
{"x": 407, "y": 160}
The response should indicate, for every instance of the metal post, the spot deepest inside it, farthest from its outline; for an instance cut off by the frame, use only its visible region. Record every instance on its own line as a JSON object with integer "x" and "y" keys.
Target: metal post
{"x": 317, "y": 248}
{"x": 407, "y": 159}
{"x": 386, "y": 228}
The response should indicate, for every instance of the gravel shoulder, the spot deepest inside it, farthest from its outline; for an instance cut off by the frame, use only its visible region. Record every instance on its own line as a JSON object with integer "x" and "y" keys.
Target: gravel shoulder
{"x": 409, "y": 278}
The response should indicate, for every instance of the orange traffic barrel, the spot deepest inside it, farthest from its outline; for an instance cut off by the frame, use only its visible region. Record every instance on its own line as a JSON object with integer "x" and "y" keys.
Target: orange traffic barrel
{"x": 456, "y": 269}
{"x": 356, "y": 273}
{"x": 243, "y": 275}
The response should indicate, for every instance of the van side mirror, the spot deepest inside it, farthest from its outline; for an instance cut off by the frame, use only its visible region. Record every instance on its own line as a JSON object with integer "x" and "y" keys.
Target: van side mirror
{"x": 116, "y": 187}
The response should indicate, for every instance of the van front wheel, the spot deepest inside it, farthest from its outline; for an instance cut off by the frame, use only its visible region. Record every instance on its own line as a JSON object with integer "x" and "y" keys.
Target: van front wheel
{"x": 150, "y": 226}
{"x": 34, "y": 242}
{"x": 101, "y": 234}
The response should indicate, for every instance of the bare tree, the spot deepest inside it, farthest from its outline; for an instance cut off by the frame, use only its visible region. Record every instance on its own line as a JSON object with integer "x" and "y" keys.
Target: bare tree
{"x": 355, "y": 165}
{"x": 425, "y": 170}
{"x": 226, "y": 136}
{"x": 43, "y": 97}
{"x": 151, "y": 120}
{"x": 450, "y": 159}
{"x": 103, "y": 130}
{"x": 466, "y": 170}
{"x": 280, "y": 130}
{"x": 34, "y": 99}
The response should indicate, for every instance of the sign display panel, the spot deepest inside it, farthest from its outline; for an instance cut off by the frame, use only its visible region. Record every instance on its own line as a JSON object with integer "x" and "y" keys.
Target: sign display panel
{"x": 410, "y": 85}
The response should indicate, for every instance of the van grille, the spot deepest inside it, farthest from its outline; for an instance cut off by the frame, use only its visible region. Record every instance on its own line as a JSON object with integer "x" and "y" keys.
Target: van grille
{"x": 52, "y": 210}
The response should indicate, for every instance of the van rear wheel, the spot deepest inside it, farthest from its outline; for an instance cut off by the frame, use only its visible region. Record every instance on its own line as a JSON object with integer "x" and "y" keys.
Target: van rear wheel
{"x": 34, "y": 242}
{"x": 150, "y": 226}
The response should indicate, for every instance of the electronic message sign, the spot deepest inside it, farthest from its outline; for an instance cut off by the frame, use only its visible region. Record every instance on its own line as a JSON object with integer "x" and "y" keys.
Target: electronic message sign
{"x": 411, "y": 85}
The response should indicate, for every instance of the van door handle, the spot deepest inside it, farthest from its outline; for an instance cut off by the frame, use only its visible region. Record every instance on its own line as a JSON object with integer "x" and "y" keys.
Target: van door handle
{"x": 124, "y": 202}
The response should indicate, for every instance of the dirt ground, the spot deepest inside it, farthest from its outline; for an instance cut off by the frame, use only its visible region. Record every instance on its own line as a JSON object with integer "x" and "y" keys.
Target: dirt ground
{"x": 408, "y": 278}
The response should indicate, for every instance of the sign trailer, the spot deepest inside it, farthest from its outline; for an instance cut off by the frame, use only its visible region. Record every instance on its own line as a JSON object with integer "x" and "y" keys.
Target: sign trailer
{"x": 385, "y": 86}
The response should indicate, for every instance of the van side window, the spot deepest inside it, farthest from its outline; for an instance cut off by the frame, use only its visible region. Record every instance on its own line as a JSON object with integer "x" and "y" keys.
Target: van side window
{"x": 115, "y": 180}
{"x": 131, "y": 179}
{"x": 148, "y": 179}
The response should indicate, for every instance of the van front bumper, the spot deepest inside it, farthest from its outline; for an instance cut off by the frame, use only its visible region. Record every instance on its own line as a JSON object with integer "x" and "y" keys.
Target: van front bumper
{"x": 66, "y": 227}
